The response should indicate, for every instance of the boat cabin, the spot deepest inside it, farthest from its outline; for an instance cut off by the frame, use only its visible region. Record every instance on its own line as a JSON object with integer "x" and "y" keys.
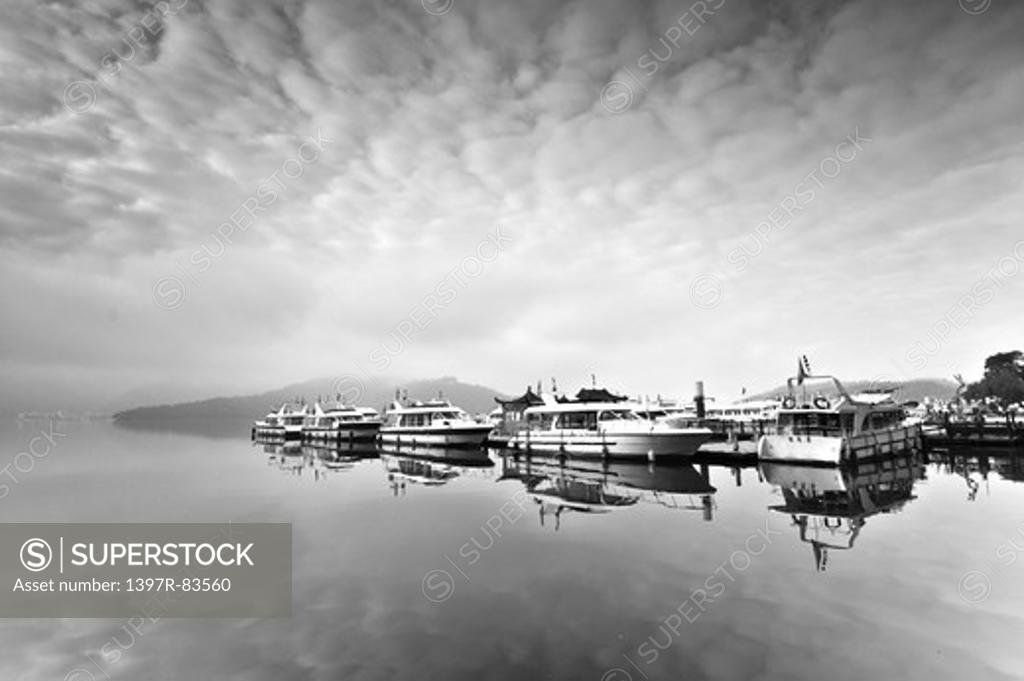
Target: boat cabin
{"x": 577, "y": 416}
{"x": 423, "y": 414}
{"x": 850, "y": 416}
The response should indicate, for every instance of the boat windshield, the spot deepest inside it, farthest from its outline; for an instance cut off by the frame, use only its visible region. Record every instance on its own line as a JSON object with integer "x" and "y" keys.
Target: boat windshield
{"x": 618, "y": 415}
{"x": 651, "y": 413}
{"x": 815, "y": 423}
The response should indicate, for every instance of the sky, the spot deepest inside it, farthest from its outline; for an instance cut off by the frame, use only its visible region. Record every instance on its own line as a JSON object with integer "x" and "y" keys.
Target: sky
{"x": 223, "y": 197}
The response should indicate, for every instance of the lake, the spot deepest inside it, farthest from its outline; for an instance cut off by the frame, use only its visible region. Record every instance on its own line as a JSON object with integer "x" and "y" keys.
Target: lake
{"x": 494, "y": 568}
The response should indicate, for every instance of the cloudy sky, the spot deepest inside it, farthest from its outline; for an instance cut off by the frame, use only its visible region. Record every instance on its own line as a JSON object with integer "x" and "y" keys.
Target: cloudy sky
{"x": 202, "y": 198}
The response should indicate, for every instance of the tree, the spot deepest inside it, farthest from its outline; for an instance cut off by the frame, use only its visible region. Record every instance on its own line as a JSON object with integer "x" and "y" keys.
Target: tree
{"x": 1004, "y": 378}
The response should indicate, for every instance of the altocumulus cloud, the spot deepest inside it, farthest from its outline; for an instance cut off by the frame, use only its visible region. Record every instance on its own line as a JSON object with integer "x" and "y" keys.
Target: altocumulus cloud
{"x": 448, "y": 124}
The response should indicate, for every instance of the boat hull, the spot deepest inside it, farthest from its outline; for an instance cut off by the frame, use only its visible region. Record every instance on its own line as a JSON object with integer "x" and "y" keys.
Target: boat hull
{"x": 264, "y": 432}
{"x": 836, "y": 450}
{"x": 350, "y": 432}
{"x": 451, "y": 436}
{"x": 622, "y": 445}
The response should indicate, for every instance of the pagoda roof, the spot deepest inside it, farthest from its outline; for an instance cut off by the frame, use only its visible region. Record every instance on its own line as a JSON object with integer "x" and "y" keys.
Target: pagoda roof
{"x": 596, "y": 395}
{"x": 527, "y": 399}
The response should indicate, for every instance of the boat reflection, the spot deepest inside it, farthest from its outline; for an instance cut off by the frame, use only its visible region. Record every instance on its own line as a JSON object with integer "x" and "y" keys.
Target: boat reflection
{"x": 830, "y": 506}
{"x": 430, "y": 466}
{"x": 560, "y": 486}
{"x": 294, "y": 458}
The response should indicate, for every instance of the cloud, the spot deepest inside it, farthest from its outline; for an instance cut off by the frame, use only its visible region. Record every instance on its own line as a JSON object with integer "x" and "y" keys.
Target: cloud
{"x": 443, "y": 126}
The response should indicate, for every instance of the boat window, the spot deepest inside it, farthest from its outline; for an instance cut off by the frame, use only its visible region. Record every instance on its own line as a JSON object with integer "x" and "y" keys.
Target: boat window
{"x": 539, "y": 421}
{"x": 578, "y": 420}
{"x": 813, "y": 423}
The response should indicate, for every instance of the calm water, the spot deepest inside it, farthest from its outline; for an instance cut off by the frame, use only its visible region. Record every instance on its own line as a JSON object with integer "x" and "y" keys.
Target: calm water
{"x": 406, "y": 570}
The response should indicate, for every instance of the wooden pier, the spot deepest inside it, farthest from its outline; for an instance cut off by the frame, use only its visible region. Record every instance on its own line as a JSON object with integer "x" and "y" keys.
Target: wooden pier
{"x": 977, "y": 432}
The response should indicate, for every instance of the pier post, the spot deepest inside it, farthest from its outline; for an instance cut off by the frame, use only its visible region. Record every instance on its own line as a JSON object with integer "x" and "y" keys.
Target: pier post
{"x": 698, "y": 399}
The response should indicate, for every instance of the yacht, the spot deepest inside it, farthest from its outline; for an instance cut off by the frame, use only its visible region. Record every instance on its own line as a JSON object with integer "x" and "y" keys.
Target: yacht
{"x": 286, "y": 422}
{"x": 840, "y": 429}
{"x": 752, "y": 412}
{"x": 436, "y": 423}
{"x": 603, "y": 429}
{"x": 341, "y": 423}
{"x": 270, "y": 426}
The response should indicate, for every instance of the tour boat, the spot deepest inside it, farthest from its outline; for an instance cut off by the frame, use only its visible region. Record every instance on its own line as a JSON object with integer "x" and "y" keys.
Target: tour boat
{"x": 286, "y": 422}
{"x": 435, "y": 423}
{"x": 270, "y": 426}
{"x": 603, "y": 429}
{"x": 339, "y": 422}
{"x": 838, "y": 430}
{"x": 293, "y": 421}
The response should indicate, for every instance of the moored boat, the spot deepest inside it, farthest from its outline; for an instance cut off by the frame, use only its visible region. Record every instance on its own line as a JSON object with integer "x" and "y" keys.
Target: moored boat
{"x": 286, "y": 422}
{"x": 840, "y": 429}
{"x": 604, "y": 429}
{"x": 341, "y": 423}
{"x": 436, "y": 423}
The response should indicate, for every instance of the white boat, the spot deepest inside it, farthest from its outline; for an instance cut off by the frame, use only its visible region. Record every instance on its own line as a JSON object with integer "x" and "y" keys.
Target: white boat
{"x": 341, "y": 423}
{"x": 435, "y": 423}
{"x": 752, "y": 412}
{"x": 269, "y": 426}
{"x": 286, "y": 422}
{"x": 838, "y": 430}
{"x": 603, "y": 429}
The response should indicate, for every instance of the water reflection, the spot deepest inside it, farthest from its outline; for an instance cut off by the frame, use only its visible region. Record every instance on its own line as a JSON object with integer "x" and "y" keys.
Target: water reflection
{"x": 830, "y": 506}
{"x": 562, "y": 486}
{"x": 975, "y": 465}
{"x": 430, "y": 466}
{"x": 294, "y": 458}
{"x": 536, "y": 604}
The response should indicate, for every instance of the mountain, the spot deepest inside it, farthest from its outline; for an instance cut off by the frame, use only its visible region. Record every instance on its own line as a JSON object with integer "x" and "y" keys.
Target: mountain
{"x": 230, "y": 415}
{"x": 913, "y": 390}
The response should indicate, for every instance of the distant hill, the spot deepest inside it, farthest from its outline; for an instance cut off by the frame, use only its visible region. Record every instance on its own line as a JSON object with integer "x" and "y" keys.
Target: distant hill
{"x": 231, "y": 415}
{"x": 914, "y": 390}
